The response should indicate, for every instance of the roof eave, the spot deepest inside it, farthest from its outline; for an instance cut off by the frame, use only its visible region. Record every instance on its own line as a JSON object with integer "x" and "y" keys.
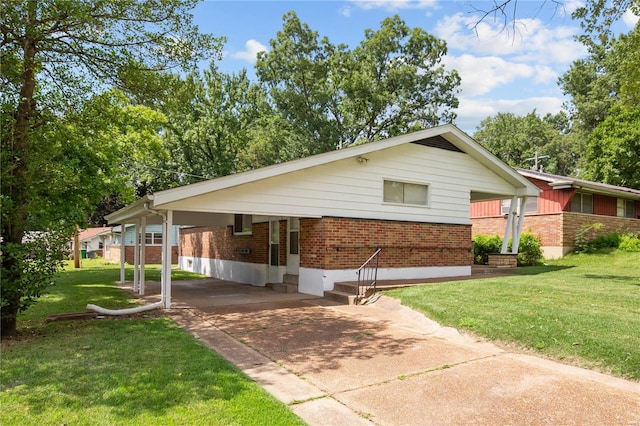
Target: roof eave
{"x": 132, "y": 211}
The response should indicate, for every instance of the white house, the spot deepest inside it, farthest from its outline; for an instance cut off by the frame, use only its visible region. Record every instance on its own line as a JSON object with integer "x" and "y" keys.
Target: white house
{"x": 319, "y": 218}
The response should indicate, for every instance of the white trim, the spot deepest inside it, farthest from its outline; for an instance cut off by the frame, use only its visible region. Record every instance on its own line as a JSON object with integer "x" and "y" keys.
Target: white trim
{"x": 229, "y": 270}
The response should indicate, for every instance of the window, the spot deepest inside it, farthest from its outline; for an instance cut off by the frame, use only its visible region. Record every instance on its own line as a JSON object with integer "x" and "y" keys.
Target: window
{"x": 405, "y": 193}
{"x": 582, "y": 203}
{"x": 626, "y": 208}
{"x": 153, "y": 238}
{"x": 294, "y": 235}
{"x": 531, "y": 206}
{"x": 242, "y": 224}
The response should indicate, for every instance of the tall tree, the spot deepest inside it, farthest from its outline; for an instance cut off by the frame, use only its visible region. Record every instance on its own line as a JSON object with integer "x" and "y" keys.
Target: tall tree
{"x": 517, "y": 139}
{"x": 55, "y": 55}
{"x": 390, "y": 83}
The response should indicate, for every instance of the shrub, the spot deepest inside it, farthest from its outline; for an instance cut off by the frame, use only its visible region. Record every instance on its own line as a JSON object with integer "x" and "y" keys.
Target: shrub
{"x": 483, "y": 245}
{"x": 529, "y": 251}
{"x": 611, "y": 240}
{"x": 630, "y": 242}
{"x": 582, "y": 237}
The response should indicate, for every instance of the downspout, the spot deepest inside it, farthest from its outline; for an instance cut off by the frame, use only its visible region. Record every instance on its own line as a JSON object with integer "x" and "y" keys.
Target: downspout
{"x": 127, "y": 311}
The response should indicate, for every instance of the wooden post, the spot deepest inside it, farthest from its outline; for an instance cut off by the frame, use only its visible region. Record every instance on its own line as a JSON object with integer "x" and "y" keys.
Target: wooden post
{"x": 76, "y": 249}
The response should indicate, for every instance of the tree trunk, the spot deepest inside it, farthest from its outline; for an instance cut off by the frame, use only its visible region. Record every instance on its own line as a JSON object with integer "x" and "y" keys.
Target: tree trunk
{"x": 8, "y": 322}
{"x": 15, "y": 216}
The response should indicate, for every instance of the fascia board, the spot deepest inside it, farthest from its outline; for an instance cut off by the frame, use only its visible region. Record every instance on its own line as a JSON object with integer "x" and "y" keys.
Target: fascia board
{"x": 132, "y": 211}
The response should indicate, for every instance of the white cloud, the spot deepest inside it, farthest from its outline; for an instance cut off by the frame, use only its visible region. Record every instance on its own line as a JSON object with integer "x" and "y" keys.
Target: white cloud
{"x": 630, "y": 19}
{"x": 345, "y": 11}
{"x": 480, "y": 75}
{"x": 251, "y": 52}
{"x": 528, "y": 40}
{"x": 394, "y": 5}
{"x": 472, "y": 111}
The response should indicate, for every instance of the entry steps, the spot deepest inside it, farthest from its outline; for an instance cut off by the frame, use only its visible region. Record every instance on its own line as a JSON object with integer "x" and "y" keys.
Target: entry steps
{"x": 289, "y": 284}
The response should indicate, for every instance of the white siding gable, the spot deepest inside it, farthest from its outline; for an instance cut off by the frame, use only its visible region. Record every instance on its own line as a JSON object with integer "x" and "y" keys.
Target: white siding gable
{"x": 352, "y": 188}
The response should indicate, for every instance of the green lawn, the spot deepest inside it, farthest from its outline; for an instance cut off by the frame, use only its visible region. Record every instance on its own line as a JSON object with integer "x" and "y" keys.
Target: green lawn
{"x": 128, "y": 371}
{"x": 583, "y": 309}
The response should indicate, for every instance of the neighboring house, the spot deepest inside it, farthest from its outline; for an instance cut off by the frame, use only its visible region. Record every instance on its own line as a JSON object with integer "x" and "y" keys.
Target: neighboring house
{"x": 565, "y": 207}
{"x": 153, "y": 244}
{"x": 91, "y": 241}
{"x": 319, "y": 218}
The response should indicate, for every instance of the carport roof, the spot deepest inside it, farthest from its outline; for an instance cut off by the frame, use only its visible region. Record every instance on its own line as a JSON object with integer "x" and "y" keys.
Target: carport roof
{"x": 446, "y": 136}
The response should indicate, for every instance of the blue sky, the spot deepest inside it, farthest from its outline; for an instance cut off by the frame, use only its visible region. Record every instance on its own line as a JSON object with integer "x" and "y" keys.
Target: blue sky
{"x": 513, "y": 69}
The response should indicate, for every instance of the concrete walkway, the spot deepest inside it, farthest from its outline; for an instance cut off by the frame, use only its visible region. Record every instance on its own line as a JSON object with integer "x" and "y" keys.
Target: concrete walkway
{"x": 385, "y": 364}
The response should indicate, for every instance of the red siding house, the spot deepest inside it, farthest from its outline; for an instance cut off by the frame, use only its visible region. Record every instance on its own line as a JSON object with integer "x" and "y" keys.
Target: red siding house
{"x": 565, "y": 207}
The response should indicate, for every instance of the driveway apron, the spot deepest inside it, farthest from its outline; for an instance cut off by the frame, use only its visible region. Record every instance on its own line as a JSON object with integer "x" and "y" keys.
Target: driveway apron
{"x": 385, "y": 364}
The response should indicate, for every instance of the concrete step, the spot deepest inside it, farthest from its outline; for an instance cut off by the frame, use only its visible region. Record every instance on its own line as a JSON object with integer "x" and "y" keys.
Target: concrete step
{"x": 290, "y": 279}
{"x": 284, "y": 287}
{"x": 340, "y": 297}
{"x": 347, "y": 287}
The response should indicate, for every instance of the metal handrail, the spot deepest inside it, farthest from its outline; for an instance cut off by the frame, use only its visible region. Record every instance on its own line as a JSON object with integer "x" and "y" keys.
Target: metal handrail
{"x": 367, "y": 277}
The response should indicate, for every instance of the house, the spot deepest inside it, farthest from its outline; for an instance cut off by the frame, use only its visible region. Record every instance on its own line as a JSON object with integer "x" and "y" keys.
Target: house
{"x": 566, "y": 207}
{"x": 319, "y": 218}
{"x": 91, "y": 242}
{"x": 153, "y": 242}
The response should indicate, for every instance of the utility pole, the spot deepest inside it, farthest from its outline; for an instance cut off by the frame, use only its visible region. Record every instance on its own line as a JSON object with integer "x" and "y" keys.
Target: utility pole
{"x": 536, "y": 165}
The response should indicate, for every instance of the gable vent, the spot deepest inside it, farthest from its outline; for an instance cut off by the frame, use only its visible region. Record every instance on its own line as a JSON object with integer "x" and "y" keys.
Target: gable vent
{"x": 438, "y": 142}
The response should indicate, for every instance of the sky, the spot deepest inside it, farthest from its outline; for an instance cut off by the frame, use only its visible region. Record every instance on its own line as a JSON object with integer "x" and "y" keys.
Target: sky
{"x": 513, "y": 68}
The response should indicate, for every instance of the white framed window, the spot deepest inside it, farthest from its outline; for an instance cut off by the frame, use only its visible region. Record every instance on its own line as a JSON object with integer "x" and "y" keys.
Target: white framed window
{"x": 242, "y": 224}
{"x": 626, "y": 208}
{"x": 153, "y": 239}
{"x": 582, "y": 203}
{"x": 405, "y": 193}
{"x": 531, "y": 206}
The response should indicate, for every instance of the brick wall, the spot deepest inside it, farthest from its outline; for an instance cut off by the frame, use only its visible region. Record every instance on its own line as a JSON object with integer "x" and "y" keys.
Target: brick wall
{"x": 573, "y": 222}
{"x": 342, "y": 243}
{"x": 557, "y": 229}
{"x": 218, "y": 242}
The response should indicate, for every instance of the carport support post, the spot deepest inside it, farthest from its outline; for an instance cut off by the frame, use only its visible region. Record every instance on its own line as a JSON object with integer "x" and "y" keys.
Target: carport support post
{"x": 123, "y": 228}
{"x": 510, "y": 218}
{"x": 136, "y": 256}
{"x": 518, "y": 230}
{"x": 143, "y": 244}
{"x": 166, "y": 258}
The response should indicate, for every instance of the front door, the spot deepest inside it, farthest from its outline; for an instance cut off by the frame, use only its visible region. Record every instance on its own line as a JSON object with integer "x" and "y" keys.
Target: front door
{"x": 293, "y": 246}
{"x": 274, "y": 251}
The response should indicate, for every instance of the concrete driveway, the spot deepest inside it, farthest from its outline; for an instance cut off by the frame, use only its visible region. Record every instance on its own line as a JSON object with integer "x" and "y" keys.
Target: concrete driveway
{"x": 385, "y": 364}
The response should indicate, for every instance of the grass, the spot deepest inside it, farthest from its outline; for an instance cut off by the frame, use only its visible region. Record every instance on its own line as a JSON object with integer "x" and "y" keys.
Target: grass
{"x": 583, "y": 309}
{"x": 141, "y": 370}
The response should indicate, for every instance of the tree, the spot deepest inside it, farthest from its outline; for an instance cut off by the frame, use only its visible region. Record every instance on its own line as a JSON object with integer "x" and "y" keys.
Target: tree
{"x": 613, "y": 153}
{"x": 390, "y": 83}
{"x": 517, "y": 139}
{"x": 55, "y": 55}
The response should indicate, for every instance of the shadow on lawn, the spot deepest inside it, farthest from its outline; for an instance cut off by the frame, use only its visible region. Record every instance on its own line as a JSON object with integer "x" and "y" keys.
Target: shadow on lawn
{"x": 621, "y": 278}
{"x": 537, "y": 270}
{"x": 132, "y": 367}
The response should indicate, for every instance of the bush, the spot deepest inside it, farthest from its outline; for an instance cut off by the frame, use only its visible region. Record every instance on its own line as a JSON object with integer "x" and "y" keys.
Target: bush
{"x": 630, "y": 242}
{"x": 529, "y": 251}
{"x": 483, "y": 245}
{"x": 611, "y": 240}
